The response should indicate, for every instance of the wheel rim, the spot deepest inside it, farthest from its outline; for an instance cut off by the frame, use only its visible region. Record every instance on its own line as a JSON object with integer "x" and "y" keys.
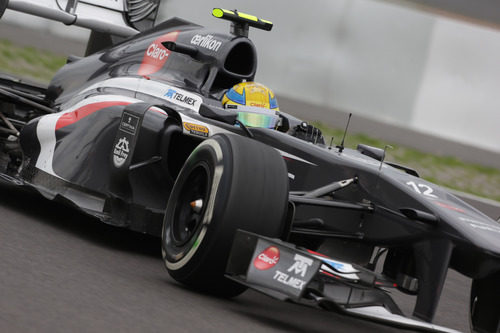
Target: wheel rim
{"x": 190, "y": 207}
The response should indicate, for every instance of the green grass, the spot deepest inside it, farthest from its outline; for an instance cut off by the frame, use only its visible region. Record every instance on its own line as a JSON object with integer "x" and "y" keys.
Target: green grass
{"x": 447, "y": 171}
{"x": 28, "y": 62}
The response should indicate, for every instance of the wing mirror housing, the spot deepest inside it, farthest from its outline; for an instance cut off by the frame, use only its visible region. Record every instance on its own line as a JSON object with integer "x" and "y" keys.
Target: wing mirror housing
{"x": 373, "y": 152}
{"x": 225, "y": 116}
{"x": 418, "y": 215}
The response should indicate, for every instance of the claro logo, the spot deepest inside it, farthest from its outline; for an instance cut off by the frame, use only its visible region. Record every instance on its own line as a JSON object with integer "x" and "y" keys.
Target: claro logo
{"x": 267, "y": 258}
{"x": 156, "y": 55}
{"x": 157, "y": 52}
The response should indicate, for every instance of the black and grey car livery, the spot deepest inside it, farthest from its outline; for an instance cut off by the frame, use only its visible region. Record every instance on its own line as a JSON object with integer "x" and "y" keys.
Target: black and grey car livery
{"x": 135, "y": 135}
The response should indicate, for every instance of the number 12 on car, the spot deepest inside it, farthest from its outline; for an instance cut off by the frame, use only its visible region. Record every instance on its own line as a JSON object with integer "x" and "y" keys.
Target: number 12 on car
{"x": 422, "y": 189}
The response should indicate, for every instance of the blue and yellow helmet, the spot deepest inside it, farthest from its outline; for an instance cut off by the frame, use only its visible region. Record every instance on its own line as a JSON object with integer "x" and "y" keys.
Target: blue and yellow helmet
{"x": 255, "y": 103}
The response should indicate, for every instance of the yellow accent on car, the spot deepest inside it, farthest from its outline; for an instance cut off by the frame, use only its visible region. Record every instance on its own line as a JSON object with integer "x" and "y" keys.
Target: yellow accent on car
{"x": 242, "y": 18}
{"x": 196, "y": 129}
{"x": 217, "y": 12}
{"x": 248, "y": 16}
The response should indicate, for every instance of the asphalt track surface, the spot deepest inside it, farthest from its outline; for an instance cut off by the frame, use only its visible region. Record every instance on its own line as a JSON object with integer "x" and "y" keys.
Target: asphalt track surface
{"x": 62, "y": 271}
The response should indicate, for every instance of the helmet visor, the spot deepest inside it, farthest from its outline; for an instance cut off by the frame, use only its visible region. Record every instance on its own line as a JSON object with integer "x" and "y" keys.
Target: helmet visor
{"x": 257, "y": 117}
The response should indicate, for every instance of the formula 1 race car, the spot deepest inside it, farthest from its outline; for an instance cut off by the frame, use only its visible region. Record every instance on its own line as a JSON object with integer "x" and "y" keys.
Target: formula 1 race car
{"x": 135, "y": 134}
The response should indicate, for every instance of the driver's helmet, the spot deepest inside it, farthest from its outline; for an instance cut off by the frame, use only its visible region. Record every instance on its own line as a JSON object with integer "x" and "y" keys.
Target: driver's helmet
{"x": 255, "y": 103}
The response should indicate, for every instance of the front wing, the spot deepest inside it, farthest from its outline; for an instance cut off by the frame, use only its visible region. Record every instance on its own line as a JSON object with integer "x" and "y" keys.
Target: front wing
{"x": 285, "y": 272}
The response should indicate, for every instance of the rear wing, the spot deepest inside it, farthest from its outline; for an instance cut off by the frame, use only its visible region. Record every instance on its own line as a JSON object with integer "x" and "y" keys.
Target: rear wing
{"x": 120, "y": 18}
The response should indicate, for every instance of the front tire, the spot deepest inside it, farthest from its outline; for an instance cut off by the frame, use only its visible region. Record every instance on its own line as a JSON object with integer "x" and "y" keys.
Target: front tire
{"x": 485, "y": 304}
{"x": 229, "y": 182}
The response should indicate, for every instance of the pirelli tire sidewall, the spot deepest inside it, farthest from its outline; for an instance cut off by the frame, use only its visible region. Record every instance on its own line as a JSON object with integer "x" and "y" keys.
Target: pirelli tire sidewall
{"x": 209, "y": 155}
{"x": 248, "y": 185}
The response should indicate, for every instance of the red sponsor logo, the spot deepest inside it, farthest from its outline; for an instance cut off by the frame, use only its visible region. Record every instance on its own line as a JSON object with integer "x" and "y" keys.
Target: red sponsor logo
{"x": 450, "y": 207}
{"x": 258, "y": 105}
{"x": 156, "y": 54}
{"x": 267, "y": 258}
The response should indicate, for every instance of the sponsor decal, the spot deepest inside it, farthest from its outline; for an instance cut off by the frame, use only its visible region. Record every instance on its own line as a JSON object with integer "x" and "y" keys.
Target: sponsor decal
{"x": 281, "y": 268}
{"x": 129, "y": 123}
{"x": 207, "y": 42}
{"x": 156, "y": 54}
{"x": 152, "y": 88}
{"x": 450, "y": 207}
{"x": 267, "y": 258}
{"x": 196, "y": 129}
{"x": 174, "y": 95}
{"x": 301, "y": 264}
{"x": 120, "y": 152}
{"x": 157, "y": 51}
{"x": 288, "y": 280}
{"x": 299, "y": 267}
{"x": 260, "y": 105}
{"x": 170, "y": 94}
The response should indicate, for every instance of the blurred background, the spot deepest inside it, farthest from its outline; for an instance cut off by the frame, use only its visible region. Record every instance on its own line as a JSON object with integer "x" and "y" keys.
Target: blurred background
{"x": 423, "y": 74}
{"x": 385, "y": 60}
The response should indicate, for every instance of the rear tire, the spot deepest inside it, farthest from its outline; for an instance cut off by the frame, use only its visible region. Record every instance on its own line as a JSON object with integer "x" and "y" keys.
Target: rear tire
{"x": 485, "y": 304}
{"x": 242, "y": 184}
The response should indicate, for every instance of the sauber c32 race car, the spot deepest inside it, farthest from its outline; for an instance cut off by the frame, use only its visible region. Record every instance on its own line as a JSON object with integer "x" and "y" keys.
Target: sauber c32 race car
{"x": 135, "y": 134}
